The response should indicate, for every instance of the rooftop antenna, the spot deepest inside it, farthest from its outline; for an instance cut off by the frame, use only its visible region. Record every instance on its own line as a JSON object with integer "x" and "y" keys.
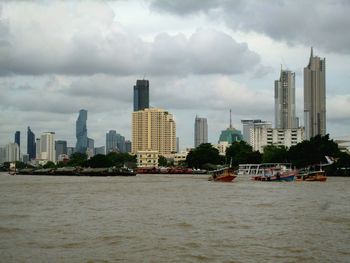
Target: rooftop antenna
{"x": 230, "y": 119}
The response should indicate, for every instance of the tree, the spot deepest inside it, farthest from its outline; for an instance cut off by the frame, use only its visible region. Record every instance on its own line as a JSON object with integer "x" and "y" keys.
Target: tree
{"x": 241, "y": 152}
{"x": 162, "y": 161}
{"x": 275, "y": 154}
{"x": 204, "y": 154}
{"x": 121, "y": 159}
{"x": 50, "y": 165}
{"x": 99, "y": 161}
{"x": 77, "y": 159}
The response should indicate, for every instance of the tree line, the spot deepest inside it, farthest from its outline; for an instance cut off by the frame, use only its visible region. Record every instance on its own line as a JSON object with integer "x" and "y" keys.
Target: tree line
{"x": 306, "y": 153}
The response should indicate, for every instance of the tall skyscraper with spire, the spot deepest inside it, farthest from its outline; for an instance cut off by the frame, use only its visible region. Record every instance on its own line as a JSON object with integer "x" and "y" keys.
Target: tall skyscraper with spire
{"x": 31, "y": 151}
{"x": 81, "y": 132}
{"x": 141, "y": 95}
{"x": 285, "y": 101}
{"x": 315, "y": 97}
{"x": 200, "y": 131}
{"x": 231, "y": 134}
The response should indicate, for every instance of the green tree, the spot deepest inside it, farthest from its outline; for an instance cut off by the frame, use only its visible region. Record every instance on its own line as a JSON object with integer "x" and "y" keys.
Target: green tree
{"x": 121, "y": 159}
{"x": 99, "y": 161}
{"x": 275, "y": 154}
{"x": 162, "y": 161}
{"x": 77, "y": 159}
{"x": 204, "y": 154}
{"x": 241, "y": 152}
{"x": 49, "y": 164}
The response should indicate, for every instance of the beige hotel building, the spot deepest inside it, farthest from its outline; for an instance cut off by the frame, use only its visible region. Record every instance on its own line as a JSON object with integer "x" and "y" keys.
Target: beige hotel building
{"x": 153, "y": 129}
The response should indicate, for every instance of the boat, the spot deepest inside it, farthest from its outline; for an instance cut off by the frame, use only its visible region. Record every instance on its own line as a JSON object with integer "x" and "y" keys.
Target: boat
{"x": 106, "y": 172}
{"x": 223, "y": 175}
{"x": 309, "y": 175}
{"x": 255, "y": 169}
{"x": 276, "y": 174}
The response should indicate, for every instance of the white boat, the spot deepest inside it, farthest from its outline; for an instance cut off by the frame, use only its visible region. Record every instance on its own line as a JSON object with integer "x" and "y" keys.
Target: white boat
{"x": 255, "y": 169}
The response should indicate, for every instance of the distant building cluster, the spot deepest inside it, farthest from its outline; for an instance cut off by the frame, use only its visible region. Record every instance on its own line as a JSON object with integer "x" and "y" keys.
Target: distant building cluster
{"x": 154, "y": 129}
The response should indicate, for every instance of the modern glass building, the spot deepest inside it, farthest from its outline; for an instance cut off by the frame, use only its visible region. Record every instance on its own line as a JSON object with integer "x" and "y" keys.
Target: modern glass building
{"x": 31, "y": 144}
{"x": 315, "y": 97}
{"x": 81, "y": 132}
{"x": 18, "y": 138}
{"x": 115, "y": 142}
{"x": 141, "y": 95}
{"x": 200, "y": 131}
{"x": 61, "y": 148}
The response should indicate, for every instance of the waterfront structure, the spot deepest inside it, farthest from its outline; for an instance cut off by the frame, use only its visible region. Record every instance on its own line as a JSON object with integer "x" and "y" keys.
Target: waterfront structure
{"x": 61, "y": 148}
{"x": 248, "y": 128}
{"x": 141, "y": 95}
{"x": 81, "y": 132}
{"x": 47, "y": 147}
{"x": 100, "y": 150}
{"x": 200, "y": 131}
{"x": 263, "y": 136}
{"x": 12, "y": 152}
{"x": 285, "y": 101}
{"x": 128, "y": 146}
{"x": 31, "y": 151}
{"x": 18, "y": 138}
{"x": 153, "y": 130}
{"x": 315, "y": 97}
{"x": 147, "y": 158}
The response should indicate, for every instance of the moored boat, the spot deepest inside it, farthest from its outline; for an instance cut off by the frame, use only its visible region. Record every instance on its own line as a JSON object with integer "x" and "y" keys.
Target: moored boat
{"x": 276, "y": 174}
{"x": 223, "y": 175}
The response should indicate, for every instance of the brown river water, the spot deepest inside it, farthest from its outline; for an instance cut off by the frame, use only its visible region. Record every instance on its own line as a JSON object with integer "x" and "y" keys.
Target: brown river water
{"x": 172, "y": 218}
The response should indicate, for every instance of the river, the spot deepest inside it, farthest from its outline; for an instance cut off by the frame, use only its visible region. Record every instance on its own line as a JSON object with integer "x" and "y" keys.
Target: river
{"x": 172, "y": 218}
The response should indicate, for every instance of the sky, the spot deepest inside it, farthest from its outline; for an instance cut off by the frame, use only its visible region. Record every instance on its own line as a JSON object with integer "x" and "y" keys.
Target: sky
{"x": 202, "y": 57}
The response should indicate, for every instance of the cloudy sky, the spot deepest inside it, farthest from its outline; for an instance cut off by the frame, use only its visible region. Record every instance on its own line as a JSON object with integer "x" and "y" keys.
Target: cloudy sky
{"x": 202, "y": 57}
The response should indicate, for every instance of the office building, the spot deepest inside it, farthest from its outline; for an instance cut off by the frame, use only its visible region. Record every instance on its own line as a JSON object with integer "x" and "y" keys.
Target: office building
{"x": 263, "y": 136}
{"x": 128, "y": 146}
{"x": 285, "y": 101}
{"x": 18, "y": 138}
{"x": 100, "y": 150}
{"x": 153, "y": 130}
{"x": 12, "y": 152}
{"x": 147, "y": 158}
{"x": 141, "y": 95}
{"x": 37, "y": 148}
{"x": 90, "y": 147}
{"x": 2, "y": 154}
{"x": 61, "y": 148}
{"x": 47, "y": 147}
{"x": 115, "y": 142}
{"x": 81, "y": 132}
{"x": 31, "y": 151}
{"x": 231, "y": 134}
{"x": 315, "y": 97}
{"x": 248, "y": 127}
{"x": 200, "y": 131}
{"x": 70, "y": 150}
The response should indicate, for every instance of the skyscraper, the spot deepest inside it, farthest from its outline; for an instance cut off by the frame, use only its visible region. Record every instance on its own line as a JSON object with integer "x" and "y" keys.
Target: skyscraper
{"x": 231, "y": 134}
{"x": 141, "y": 95}
{"x": 200, "y": 131}
{"x": 12, "y": 152}
{"x": 315, "y": 97}
{"x": 47, "y": 146}
{"x": 115, "y": 142}
{"x": 30, "y": 144}
{"x": 18, "y": 138}
{"x": 285, "y": 101}
{"x": 81, "y": 132}
{"x": 61, "y": 148}
{"x": 250, "y": 125}
{"x": 153, "y": 130}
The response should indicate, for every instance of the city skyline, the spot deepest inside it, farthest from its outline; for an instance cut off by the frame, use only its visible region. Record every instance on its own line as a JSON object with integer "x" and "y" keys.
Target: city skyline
{"x": 195, "y": 64}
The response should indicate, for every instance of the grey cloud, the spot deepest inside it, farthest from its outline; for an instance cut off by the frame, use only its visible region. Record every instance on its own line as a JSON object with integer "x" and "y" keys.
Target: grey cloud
{"x": 77, "y": 46}
{"x": 323, "y": 24}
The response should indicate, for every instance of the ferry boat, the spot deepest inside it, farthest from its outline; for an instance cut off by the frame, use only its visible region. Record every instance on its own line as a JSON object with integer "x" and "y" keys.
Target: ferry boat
{"x": 276, "y": 175}
{"x": 223, "y": 175}
{"x": 255, "y": 169}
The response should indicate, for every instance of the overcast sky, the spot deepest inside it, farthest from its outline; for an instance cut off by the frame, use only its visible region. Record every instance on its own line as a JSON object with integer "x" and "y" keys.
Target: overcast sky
{"x": 202, "y": 57}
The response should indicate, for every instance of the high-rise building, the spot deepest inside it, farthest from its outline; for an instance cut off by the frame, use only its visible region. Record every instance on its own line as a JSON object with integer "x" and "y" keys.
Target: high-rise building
{"x": 37, "y": 148}
{"x": 47, "y": 147}
{"x": 61, "y": 148}
{"x": 128, "y": 146}
{"x": 100, "y": 150}
{"x": 2, "y": 155}
{"x": 249, "y": 126}
{"x": 91, "y": 147}
{"x": 70, "y": 150}
{"x": 177, "y": 144}
{"x": 200, "y": 131}
{"x": 12, "y": 152}
{"x": 153, "y": 130}
{"x": 315, "y": 97}
{"x": 31, "y": 144}
{"x": 18, "y": 138}
{"x": 285, "y": 100}
{"x": 141, "y": 95}
{"x": 81, "y": 132}
{"x": 115, "y": 142}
